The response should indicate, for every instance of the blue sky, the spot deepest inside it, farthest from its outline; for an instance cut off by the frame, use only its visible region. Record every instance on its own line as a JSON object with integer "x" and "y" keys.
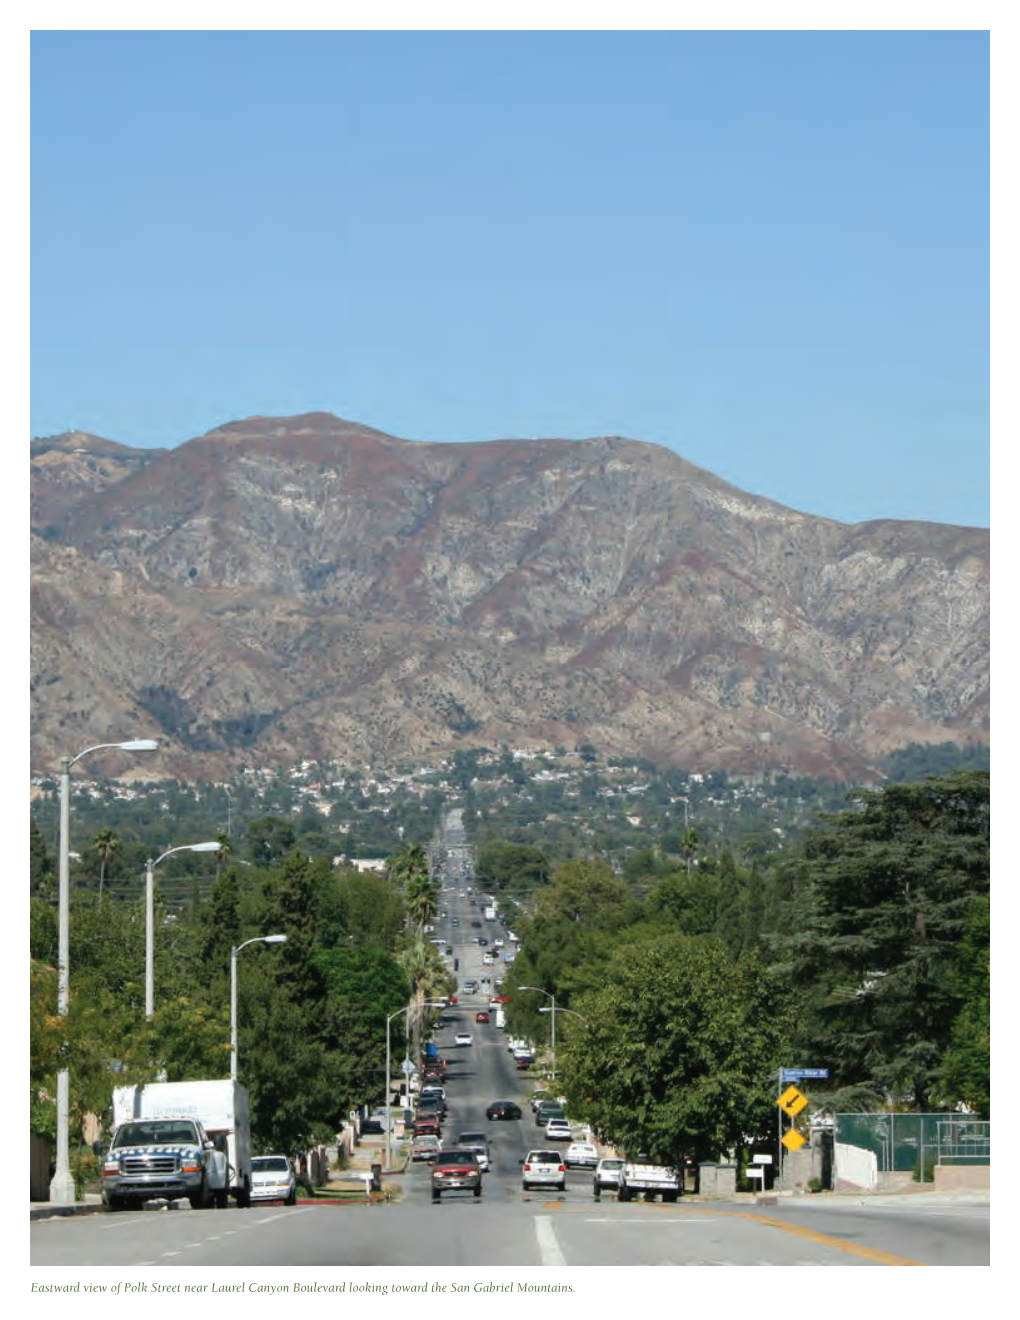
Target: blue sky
{"x": 765, "y": 250}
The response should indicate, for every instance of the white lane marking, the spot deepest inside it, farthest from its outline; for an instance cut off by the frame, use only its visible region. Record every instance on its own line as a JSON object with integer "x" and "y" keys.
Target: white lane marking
{"x": 548, "y": 1247}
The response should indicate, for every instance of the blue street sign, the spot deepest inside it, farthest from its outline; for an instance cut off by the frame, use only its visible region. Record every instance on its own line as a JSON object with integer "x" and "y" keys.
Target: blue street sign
{"x": 798, "y": 1074}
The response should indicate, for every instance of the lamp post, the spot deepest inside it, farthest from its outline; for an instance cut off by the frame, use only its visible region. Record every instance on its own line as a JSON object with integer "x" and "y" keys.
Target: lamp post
{"x": 538, "y": 990}
{"x": 258, "y": 939}
{"x": 150, "y": 888}
{"x": 386, "y": 1096}
{"x": 62, "y": 1184}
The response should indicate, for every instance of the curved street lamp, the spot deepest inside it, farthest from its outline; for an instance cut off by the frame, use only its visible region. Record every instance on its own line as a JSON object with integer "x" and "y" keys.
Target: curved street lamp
{"x": 150, "y": 887}
{"x": 62, "y": 1183}
{"x": 538, "y": 990}
{"x": 258, "y": 939}
{"x": 564, "y": 1010}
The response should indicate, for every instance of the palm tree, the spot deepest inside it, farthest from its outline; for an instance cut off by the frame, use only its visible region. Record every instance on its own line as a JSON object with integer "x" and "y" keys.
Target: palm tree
{"x": 226, "y": 848}
{"x": 410, "y": 869}
{"x": 428, "y": 978}
{"x": 105, "y": 844}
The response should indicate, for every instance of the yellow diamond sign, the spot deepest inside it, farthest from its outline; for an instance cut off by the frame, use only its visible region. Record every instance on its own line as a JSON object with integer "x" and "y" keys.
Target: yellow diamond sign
{"x": 791, "y": 1102}
{"x": 793, "y": 1140}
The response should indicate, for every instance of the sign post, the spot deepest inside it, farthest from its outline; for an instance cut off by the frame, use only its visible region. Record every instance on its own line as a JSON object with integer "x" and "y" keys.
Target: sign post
{"x": 791, "y": 1102}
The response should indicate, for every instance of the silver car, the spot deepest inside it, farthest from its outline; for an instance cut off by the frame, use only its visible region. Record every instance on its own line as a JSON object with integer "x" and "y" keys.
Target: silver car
{"x": 606, "y": 1177}
{"x": 272, "y": 1179}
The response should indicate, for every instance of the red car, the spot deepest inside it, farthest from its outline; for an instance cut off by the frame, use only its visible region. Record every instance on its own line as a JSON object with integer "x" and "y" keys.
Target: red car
{"x": 481, "y": 1017}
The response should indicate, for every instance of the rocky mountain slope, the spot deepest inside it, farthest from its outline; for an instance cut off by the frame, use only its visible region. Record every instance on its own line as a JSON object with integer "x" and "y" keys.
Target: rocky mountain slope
{"x": 307, "y": 587}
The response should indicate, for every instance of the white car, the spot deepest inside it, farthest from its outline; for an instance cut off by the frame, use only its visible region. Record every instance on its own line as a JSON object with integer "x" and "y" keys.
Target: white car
{"x": 559, "y": 1129}
{"x": 581, "y": 1155}
{"x": 462, "y": 1038}
{"x": 272, "y": 1179}
{"x": 543, "y": 1168}
{"x": 607, "y": 1176}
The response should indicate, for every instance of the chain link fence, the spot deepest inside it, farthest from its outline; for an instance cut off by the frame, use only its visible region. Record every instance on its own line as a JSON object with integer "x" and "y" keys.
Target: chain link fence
{"x": 917, "y": 1142}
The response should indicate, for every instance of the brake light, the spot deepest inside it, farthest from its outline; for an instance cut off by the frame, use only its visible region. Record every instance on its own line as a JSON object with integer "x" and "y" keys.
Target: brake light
{"x": 563, "y": 1168}
{"x": 527, "y": 1168}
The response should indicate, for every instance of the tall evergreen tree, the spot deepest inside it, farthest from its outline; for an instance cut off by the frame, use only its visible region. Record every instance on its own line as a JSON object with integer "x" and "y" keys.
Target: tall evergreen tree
{"x": 877, "y": 926}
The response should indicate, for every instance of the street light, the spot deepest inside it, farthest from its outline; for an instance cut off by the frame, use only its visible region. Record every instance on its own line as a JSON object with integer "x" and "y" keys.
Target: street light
{"x": 564, "y": 1010}
{"x": 62, "y": 1184}
{"x": 150, "y": 887}
{"x": 538, "y": 990}
{"x": 258, "y": 939}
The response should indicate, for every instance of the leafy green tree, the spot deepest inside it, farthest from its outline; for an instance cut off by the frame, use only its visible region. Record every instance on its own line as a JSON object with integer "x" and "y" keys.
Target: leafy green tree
{"x": 42, "y": 867}
{"x": 691, "y": 900}
{"x": 43, "y": 933}
{"x": 517, "y": 867}
{"x": 581, "y": 890}
{"x": 876, "y": 926}
{"x": 966, "y": 1072}
{"x": 270, "y": 839}
{"x": 689, "y": 845}
{"x": 680, "y": 1050}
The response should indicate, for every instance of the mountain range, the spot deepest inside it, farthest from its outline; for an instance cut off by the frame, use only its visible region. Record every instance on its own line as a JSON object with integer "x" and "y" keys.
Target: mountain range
{"x": 307, "y": 587}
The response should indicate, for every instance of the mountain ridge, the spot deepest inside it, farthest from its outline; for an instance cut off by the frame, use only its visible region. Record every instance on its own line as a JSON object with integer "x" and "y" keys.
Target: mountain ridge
{"x": 309, "y": 586}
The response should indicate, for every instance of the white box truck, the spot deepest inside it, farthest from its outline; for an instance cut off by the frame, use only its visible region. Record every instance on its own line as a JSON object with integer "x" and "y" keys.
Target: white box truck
{"x": 176, "y": 1140}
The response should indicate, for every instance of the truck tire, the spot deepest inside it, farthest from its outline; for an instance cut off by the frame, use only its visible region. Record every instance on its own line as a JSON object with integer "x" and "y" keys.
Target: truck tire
{"x": 436, "y": 1197}
{"x": 201, "y": 1199}
{"x": 116, "y": 1203}
{"x": 669, "y": 1198}
{"x": 221, "y": 1198}
{"x": 292, "y": 1199}
{"x": 623, "y": 1194}
{"x": 478, "y": 1191}
{"x": 244, "y": 1195}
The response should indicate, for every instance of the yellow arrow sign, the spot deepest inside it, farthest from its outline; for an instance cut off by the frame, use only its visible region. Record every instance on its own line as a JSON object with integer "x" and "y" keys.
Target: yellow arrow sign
{"x": 793, "y": 1140}
{"x": 791, "y": 1102}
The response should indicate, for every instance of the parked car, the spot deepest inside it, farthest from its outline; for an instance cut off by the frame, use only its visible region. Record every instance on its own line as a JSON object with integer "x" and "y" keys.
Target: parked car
{"x": 426, "y": 1125}
{"x": 456, "y": 1170}
{"x": 606, "y": 1177}
{"x": 272, "y": 1179}
{"x": 546, "y": 1109}
{"x": 426, "y": 1147}
{"x": 503, "y": 1109}
{"x": 543, "y": 1168}
{"x": 558, "y": 1129}
{"x": 581, "y": 1155}
{"x": 523, "y": 1062}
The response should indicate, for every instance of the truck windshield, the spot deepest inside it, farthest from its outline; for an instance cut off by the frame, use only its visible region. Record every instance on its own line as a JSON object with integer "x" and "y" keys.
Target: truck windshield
{"x": 155, "y": 1134}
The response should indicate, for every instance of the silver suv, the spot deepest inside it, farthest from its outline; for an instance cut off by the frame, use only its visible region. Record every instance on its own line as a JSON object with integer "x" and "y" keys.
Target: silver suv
{"x": 543, "y": 1168}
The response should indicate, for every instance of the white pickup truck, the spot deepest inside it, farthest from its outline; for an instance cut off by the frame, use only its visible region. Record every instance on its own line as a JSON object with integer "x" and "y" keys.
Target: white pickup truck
{"x": 648, "y": 1181}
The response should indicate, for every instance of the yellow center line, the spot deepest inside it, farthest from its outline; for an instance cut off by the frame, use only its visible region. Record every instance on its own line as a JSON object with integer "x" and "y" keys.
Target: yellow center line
{"x": 823, "y": 1239}
{"x": 869, "y": 1253}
